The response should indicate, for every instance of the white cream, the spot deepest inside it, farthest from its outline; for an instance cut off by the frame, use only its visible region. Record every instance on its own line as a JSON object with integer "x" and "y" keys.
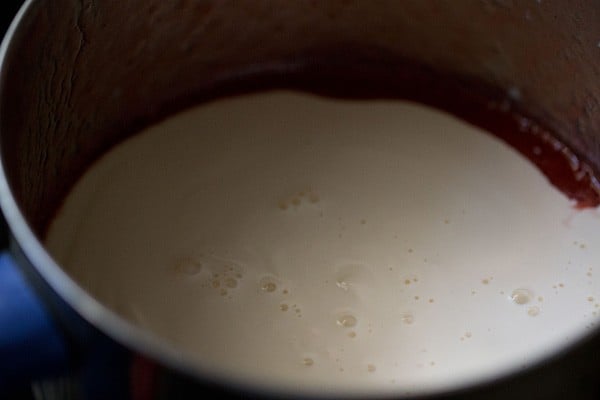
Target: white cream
{"x": 329, "y": 245}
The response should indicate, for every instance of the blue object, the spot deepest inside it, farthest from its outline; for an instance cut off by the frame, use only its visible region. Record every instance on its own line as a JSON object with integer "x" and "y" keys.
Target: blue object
{"x": 30, "y": 343}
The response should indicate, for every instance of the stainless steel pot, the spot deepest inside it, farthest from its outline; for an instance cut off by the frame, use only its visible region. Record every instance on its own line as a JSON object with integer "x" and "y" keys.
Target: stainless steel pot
{"x": 77, "y": 76}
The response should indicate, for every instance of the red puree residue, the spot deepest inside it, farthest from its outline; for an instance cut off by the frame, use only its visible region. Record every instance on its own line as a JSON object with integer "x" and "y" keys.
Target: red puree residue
{"x": 482, "y": 106}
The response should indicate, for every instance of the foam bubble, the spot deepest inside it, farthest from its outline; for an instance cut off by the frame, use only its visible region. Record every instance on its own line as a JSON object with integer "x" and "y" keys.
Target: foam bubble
{"x": 347, "y": 321}
{"x": 268, "y": 285}
{"x": 521, "y": 296}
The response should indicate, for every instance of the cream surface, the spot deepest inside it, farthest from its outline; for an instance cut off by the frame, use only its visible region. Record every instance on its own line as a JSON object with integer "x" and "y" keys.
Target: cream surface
{"x": 330, "y": 245}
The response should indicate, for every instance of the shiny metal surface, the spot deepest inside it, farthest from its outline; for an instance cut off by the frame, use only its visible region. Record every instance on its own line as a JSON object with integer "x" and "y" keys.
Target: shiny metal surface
{"x": 77, "y": 76}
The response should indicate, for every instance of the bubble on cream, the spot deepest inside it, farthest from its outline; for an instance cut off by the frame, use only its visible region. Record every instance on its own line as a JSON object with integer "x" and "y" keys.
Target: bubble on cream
{"x": 306, "y": 242}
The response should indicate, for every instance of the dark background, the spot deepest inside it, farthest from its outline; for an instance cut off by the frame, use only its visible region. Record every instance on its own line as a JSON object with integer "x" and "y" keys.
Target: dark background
{"x": 9, "y": 9}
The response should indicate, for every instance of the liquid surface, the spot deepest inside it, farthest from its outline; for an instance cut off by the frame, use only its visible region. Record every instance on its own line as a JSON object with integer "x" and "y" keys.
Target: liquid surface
{"x": 331, "y": 245}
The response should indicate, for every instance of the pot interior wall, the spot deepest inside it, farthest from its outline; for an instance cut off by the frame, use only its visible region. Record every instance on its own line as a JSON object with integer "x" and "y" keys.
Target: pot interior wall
{"x": 81, "y": 75}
